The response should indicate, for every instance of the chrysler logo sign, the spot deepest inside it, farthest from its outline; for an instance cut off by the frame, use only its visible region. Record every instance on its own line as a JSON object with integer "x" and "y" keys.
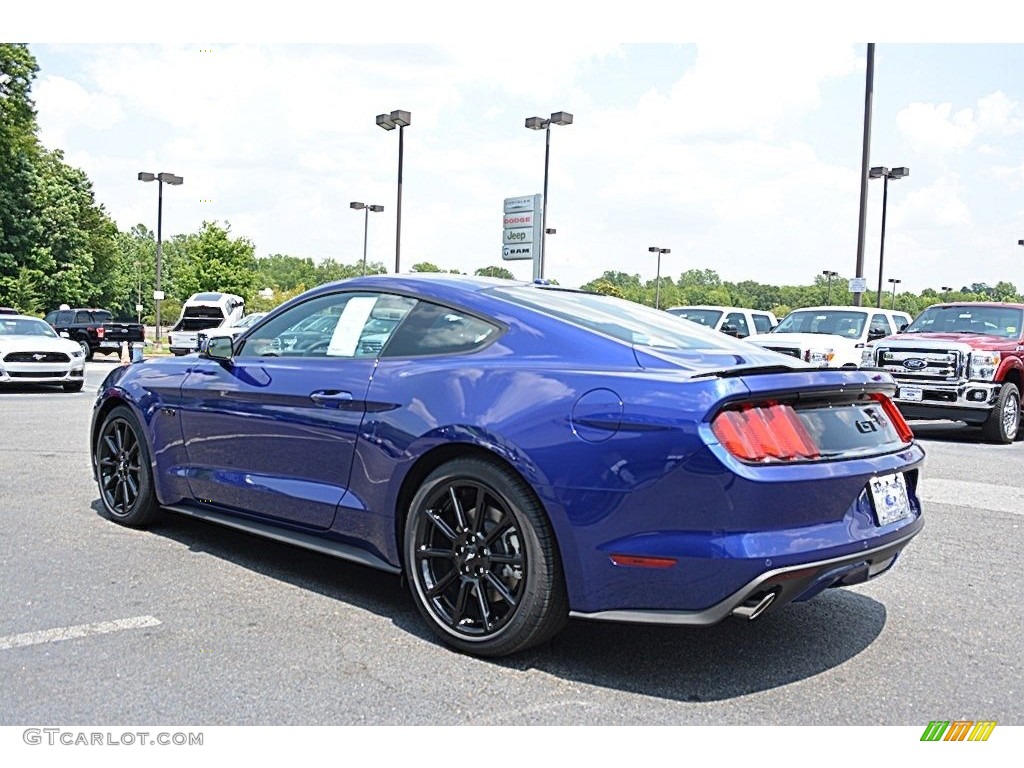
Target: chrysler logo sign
{"x": 915, "y": 364}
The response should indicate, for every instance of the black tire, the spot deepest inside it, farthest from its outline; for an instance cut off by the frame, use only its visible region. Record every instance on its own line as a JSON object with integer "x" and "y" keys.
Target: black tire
{"x": 488, "y": 584}
{"x": 1003, "y": 423}
{"x": 123, "y": 471}
{"x": 75, "y": 386}
{"x": 86, "y": 349}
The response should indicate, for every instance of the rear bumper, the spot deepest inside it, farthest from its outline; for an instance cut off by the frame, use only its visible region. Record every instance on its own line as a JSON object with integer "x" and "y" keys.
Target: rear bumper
{"x": 787, "y": 584}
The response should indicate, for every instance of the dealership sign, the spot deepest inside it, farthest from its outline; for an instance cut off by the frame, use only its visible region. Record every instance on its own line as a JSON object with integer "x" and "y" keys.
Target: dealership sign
{"x": 521, "y": 228}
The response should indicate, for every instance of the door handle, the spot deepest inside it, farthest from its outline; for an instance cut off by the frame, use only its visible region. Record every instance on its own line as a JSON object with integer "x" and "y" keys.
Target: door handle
{"x": 331, "y": 397}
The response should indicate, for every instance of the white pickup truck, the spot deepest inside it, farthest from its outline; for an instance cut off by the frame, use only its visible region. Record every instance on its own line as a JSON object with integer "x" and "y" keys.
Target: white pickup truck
{"x": 202, "y": 312}
{"x": 831, "y": 337}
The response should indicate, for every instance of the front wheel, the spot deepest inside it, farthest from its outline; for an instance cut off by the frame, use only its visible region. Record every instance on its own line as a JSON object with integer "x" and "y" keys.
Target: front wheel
{"x": 1004, "y": 421}
{"x": 483, "y": 563}
{"x": 123, "y": 470}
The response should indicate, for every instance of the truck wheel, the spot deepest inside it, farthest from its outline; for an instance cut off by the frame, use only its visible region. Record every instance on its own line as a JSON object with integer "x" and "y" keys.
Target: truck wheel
{"x": 86, "y": 349}
{"x": 1004, "y": 421}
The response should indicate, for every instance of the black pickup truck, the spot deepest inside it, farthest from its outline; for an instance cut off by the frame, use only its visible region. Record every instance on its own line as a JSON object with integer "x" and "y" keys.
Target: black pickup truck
{"x": 95, "y": 330}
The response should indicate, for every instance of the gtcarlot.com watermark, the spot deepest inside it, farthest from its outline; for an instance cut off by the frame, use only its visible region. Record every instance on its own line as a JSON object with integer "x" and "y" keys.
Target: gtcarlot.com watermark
{"x": 52, "y": 737}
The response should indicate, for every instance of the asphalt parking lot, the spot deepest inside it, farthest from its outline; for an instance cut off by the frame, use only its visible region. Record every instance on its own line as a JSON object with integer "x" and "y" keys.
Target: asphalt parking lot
{"x": 191, "y": 623}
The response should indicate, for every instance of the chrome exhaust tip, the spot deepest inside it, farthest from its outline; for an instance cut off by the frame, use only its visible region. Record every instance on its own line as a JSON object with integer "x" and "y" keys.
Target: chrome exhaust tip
{"x": 754, "y": 607}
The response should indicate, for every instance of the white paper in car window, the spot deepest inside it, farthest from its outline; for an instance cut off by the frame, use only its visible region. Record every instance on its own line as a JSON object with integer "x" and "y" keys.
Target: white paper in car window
{"x": 350, "y": 326}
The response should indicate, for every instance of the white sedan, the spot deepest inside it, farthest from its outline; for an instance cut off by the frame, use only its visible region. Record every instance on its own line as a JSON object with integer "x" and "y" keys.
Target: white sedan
{"x": 31, "y": 352}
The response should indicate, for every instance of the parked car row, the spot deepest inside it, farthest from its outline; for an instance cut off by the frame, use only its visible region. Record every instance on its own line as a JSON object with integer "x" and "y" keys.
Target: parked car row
{"x": 955, "y": 361}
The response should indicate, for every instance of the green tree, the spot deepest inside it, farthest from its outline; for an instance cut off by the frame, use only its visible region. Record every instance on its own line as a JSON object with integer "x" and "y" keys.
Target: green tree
{"x": 19, "y": 222}
{"x": 212, "y": 261}
{"x": 494, "y": 272}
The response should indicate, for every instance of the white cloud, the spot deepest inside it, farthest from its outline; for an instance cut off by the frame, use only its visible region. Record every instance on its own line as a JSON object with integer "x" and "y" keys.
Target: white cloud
{"x": 937, "y": 128}
{"x": 937, "y": 206}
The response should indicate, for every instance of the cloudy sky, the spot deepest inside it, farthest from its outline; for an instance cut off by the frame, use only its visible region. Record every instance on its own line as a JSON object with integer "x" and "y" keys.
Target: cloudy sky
{"x": 739, "y": 152}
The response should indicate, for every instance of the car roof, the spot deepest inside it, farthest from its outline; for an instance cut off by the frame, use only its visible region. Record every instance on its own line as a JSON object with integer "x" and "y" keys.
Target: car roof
{"x": 838, "y": 308}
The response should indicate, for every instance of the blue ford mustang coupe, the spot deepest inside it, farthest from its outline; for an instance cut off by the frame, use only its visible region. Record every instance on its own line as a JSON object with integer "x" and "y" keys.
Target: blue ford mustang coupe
{"x": 521, "y": 453}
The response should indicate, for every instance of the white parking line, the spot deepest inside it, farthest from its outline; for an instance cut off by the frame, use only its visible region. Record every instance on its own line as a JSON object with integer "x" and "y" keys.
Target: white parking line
{"x": 70, "y": 633}
{"x": 964, "y": 493}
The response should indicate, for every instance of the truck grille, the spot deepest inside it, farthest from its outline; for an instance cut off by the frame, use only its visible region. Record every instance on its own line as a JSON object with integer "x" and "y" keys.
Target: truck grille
{"x": 36, "y": 357}
{"x": 921, "y": 364}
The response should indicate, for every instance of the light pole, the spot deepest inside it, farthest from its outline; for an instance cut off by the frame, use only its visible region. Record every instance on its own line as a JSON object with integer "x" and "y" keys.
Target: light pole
{"x": 828, "y": 273}
{"x": 657, "y": 279}
{"x": 894, "y": 282}
{"x": 945, "y": 290}
{"x": 160, "y": 179}
{"x": 366, "y": 223}
{"x": 397, "y": 119}
{"x": 535, "y": 124}
{"x": 885, "y": 174}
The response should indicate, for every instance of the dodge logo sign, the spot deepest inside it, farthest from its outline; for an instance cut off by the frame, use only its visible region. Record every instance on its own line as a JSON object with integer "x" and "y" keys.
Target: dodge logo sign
{"x": 915, "y": 364}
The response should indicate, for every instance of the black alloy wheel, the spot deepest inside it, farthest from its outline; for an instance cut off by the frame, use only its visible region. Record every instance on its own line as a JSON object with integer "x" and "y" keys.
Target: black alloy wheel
{"x": 123, "y": 471}
{"x": 483, "y": 564}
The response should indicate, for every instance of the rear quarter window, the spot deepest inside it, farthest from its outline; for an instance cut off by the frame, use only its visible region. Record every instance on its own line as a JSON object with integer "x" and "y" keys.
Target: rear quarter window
{"x": 432, "y": 329}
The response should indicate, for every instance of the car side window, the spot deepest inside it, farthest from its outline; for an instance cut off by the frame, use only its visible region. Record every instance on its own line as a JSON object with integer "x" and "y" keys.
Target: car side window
{"x": 64, "y": 318}
{"x": 739, "y": 322}
{"x": 343, "y": 325}
{"x": 432, "y": 329}
{"x": 880, "y": 324}
{"x": 762, "y": 323}
{"x": 83, "y": 318}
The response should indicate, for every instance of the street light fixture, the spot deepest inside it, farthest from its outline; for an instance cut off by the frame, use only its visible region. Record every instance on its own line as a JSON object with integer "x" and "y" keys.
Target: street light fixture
{"x": 366, "y": 223}
{"x": 397, "y": 119}
{"x": 657, "y": 279}
{"x": 160, "y": 179}
{"x": 881, "y": 172}
{"x": 946, "y": 289}
{"x": 536, "y": 124}
{"x": 829, "y": 274}
{"x": 894, "y": 282}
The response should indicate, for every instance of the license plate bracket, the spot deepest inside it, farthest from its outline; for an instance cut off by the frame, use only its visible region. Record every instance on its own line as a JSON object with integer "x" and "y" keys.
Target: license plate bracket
{"x": 889, "y": 497}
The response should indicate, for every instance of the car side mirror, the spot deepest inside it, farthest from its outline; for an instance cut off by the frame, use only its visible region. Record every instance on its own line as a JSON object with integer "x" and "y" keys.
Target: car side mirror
{"x": 219, "y": 348}
{"x": 65, "y": 335}
{"x": 730, "y": 330}
{"x": 902, "y": 328}
{"x": 874, "y": 333}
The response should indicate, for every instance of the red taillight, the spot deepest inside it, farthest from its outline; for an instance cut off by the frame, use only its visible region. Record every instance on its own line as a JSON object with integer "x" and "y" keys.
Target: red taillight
{"x": 99, "y": 332}
{"x": 902, "y": 428}
{"x": 764, "y": 432}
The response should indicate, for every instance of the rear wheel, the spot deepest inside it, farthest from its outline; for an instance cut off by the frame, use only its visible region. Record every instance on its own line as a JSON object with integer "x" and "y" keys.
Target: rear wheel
{"x": 86, "y": 349}
{"x": 123, "y": 470}
{"x": 482, "y": 560}
{"x": 1004, "y": 421}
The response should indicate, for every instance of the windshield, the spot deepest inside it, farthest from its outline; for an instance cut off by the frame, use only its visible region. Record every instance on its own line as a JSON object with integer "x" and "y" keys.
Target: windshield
{"x": 24, "y": 326}
{"x": 625, "y": 320}
{"x": 248, "y": 320}
{"x": 849, "y": 324}
{"x": 994, "y": 321}
{"x": 706, "y": 317}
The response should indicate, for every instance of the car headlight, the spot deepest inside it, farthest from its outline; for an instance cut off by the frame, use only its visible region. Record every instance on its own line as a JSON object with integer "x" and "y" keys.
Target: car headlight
{"x": 984, "y": 365}
{"x": 867, "y": 357}
{"x": 78, "y": 353}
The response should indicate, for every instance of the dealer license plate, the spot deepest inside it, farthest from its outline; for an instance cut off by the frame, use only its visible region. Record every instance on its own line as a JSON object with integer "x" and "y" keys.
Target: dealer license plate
{"x": 889, "y": 494}
{"x": 911, "y": 394}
